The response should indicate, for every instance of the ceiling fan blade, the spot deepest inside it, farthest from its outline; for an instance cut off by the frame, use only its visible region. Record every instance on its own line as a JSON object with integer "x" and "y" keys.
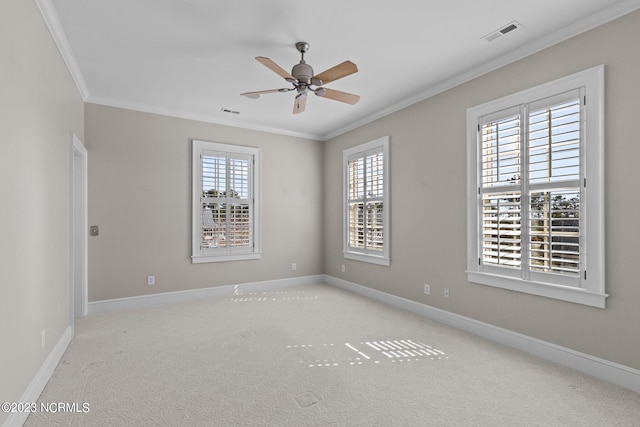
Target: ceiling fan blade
{"x": 337, "y": 72}
{"x": 257, "y": 93}
{"x": 274, "y": 67}
{"x": 338, "y": 95}
{"x": 299, "y": 103}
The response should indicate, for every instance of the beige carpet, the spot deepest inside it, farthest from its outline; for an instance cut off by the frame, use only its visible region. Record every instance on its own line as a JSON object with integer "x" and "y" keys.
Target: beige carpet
{"x": 311, "y": 356}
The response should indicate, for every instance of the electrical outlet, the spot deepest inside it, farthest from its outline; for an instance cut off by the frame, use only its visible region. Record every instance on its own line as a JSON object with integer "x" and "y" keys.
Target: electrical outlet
{"x": 427, "y": 289}
{"x": 151, "y": 280}
{"x": 446, "y": 292}
{"x": 344, "y": 268}
{"x": 294, "y": 267}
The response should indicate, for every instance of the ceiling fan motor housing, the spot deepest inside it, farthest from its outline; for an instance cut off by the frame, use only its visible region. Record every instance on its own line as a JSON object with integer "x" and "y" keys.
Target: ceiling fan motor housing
{"x": 302, "y": 72}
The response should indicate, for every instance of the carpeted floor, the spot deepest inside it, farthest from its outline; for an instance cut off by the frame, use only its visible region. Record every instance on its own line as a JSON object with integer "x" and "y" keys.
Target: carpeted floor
{"x": 310, "y": 356}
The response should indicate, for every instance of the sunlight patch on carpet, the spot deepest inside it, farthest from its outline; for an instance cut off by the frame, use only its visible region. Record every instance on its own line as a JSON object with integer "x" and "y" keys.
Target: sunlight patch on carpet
{"x": 249, "y": 297}
{"x": 406, "y": 349}
{"x": 329, "y": 355}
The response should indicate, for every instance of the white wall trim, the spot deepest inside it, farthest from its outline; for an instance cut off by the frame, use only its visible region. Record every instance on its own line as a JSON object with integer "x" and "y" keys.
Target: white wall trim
{"x": 79, "y": 229}
{"x": 180, "y": 114}
{"x": 620, "y": 9}
{"x": 60, "y": 38}
{"x": 32, "y": 394}
{"x": 197, "y": 294}
{"x": 621, "y": 375}
{"x": 53, "y": 23}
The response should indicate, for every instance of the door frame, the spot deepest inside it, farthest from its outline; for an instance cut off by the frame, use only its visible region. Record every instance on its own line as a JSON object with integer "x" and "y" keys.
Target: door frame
{"x": 78, "y": 293}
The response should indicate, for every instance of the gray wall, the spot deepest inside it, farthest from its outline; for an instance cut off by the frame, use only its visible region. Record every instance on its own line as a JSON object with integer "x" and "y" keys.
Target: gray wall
{"x": 140, "y": 197}
{"x": 39, "y": 107}
{"x": 428, "y": 208}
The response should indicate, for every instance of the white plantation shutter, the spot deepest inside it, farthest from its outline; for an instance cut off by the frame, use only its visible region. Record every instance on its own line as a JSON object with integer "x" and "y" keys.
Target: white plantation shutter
{"x": 239, "y": 203}
{"x": 225, "y": 220}
{"x": 535, "y": 218}
{"x": 366, "y": 205}
{"x": 539, "y": 233}
{"x": 226, "y": 202}
{"x": 501, "y": 150}
{"x": 554, "y": 135}
{"x": 213, "y": 200}
{"x": 501, "y": 229}
{"x": 501, "y": 205}
{"x": 366, "y": 202}
{"x": 356, "y": 225}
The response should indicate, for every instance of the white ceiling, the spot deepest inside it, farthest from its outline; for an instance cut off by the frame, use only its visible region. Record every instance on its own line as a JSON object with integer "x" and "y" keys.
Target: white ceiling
{"x": 192, "y": 58}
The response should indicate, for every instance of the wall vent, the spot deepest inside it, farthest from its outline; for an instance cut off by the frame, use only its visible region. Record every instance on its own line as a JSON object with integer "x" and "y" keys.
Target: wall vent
{"x": 227, "y": 110}
{"x": 502, "y": 31}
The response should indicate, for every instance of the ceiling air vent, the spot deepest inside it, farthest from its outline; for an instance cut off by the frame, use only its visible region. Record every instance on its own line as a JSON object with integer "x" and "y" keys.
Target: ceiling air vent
{"x": 502, "y": 31}
{"x": 227, "y": 110}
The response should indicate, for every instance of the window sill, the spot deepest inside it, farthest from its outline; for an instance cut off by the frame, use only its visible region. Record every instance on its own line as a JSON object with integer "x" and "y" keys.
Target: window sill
{"x": 373, "y": 259}
{"x": 200, "y": 259}
{"x": 563, "y": 293}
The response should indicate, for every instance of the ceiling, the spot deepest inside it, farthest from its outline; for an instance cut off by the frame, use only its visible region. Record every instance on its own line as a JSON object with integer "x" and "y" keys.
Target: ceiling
{"x": 193, "y": 58}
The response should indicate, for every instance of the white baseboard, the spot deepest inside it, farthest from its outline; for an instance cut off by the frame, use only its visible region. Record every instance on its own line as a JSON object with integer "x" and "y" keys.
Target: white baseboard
{"x": 621, "y": 375}
{"x": 196, "y": 294}
{"x": 32, "y": 394}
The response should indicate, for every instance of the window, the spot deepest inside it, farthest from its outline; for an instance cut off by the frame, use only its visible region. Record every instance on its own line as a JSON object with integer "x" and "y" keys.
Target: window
{"x": 366, "y": 202}
{"x": 535, "y": 190}
{"x": 225, "y": 202}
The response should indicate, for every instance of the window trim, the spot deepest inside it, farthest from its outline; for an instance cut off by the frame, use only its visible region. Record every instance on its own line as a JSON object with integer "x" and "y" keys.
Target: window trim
{"x": 383, "y": 258}
{"x": 197, "y": 256}
{"x": 592, "y": 280}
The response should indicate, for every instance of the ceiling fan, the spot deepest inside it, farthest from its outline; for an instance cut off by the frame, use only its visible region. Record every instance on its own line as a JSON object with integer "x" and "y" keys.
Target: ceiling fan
{"x": 303, "y": 80}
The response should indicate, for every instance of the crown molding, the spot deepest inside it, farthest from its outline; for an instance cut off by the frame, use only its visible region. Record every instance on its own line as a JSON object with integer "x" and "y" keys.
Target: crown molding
{"x": 620, "y": 9}
{"x": 593, "y": 21}
{"x": 107, "y": 102}
{"x": 55, "y": 28}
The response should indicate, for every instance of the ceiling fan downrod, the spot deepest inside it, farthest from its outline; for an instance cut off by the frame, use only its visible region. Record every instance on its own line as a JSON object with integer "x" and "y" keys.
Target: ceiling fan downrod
{"x": 302, "y": 48}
